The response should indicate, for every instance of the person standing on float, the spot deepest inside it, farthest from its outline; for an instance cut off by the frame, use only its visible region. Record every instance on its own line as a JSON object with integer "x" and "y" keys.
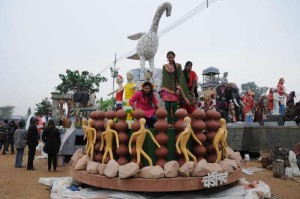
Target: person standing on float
{"x": 173, "y": 85}
{"x": 282, "y": 95}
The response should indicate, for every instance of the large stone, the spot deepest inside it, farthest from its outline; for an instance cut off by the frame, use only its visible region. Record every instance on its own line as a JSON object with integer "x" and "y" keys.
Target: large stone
{"x": 237, "y": 158}
{"x": 187, "y": 168}
{"x": 128, "y": 170}
{"x": 76, "y": 156}
{"x": 111, "y": 169}
{"x": 171, "y": 169}
{"x": 101, "y": 168}
{"x": 228, "y": 165}
{"x": 152, "y": 172}
{"x": 92, "y": 167}
{"x": 201, "y": 169}
{"x": 270, "y": 123}
{"x": 290, "y": 123}
{"x": 229, "y": 152}
{"x": 215, "y": 167}
{"x": 82, "y": 163}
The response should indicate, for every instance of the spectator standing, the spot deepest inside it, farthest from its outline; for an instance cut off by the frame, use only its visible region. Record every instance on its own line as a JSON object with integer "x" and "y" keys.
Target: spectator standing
{"x": 12, "y": 127}
{"x": 32, "y": 140}
{"x": 20, "y": 139}
{"x": 51, "y": 138}
{"x": 3, "y": 135}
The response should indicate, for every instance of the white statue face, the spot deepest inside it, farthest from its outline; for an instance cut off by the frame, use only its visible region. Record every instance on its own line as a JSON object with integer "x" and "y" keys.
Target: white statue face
{"x": 147, "y": 75}
{"x": 129, "y": 76}
{"x": 225, "y": 74}
{"x": 119, "y": 80}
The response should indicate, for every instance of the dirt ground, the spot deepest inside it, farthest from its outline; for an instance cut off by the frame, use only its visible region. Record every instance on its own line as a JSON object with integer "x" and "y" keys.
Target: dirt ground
{"x": 18, "y": 183}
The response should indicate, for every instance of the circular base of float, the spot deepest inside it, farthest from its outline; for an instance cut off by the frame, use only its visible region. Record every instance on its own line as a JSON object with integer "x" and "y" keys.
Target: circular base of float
{"x": 148, "y": 185}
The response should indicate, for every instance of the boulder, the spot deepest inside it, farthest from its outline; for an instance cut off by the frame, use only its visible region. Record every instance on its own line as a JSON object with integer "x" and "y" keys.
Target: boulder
{"x": 215, "y": 167}
{"x": 128, "y": 170}
{"x": 229, "y": 152}
{"x": 152, "y": 172}
{"x": 236, "y": 156}
{"x": 92, "y": 167}
{"x": 76, "y": 156}
{"x": 171, "y": 169}
{"x": 228, "y": 165}
{"x": 101, "y": 168}
{"x": 82, "y": 163}
{"x": 111, "y": 169}
{"x": 187, "y": 168}
{"x": 201, "y": 169}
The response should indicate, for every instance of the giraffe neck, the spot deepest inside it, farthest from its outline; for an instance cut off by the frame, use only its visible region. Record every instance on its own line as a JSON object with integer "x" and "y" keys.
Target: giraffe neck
{"x": 159, "y": 12}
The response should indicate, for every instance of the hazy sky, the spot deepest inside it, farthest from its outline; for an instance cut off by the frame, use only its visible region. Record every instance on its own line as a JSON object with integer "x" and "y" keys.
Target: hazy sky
{"x": 254, "y": 40}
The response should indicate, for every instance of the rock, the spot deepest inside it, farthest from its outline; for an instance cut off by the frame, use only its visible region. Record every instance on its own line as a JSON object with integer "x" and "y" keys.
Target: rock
{"x": 171, "y": 169}
{"x": 111, "y": 169}
{"x": 237, "y": 157}
{"x": 229, "y": 152}
{"x": 228, "y": 165}
{"x": 201, "y": 169}
{"x": 128, "y": 170}
{"x": 76, "y": 156}
{"x": 152, "y": 172}
{"x": 82, "y": 163}
{"x": 187, "y": 168}
{"x": 215, "y": 167}
{"x": 92, "y": 167}
{"x": 101, "y": 168}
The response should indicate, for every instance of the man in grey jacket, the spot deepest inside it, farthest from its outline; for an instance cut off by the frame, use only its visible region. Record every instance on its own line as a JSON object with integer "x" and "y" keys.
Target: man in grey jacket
{"x": 20, "y": 143}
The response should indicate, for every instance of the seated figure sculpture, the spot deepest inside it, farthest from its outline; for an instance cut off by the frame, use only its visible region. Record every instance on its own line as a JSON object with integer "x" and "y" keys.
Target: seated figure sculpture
{"x": 108, "y": 133}
{"x": 141, "y": 135}
{"x": 184, "y": 138}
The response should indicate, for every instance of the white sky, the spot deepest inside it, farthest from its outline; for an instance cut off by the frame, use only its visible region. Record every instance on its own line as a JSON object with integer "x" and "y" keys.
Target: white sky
{"x": 253, "y": 40}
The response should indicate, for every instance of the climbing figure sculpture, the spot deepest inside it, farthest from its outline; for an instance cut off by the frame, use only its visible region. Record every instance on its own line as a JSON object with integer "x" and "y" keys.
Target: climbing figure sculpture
{"x": 90, "y": 133}
{"x": 108, "y": 133}
{"x": 184, "y": 138}
{"x": 141, "y": 135}
{"x": 220, "y": 138}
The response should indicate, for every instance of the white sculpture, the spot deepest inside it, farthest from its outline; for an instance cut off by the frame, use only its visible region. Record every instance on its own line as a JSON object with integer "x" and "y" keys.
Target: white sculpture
{"x": 293, "y": 163}
{"x": 276, "y": 103}
{"x": 148, "y": 42}
{"x": 224, "y": 79}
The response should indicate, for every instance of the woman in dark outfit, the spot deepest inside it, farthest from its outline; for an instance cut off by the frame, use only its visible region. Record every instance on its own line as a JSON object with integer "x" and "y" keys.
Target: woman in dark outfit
{"x": 51, "y": 138}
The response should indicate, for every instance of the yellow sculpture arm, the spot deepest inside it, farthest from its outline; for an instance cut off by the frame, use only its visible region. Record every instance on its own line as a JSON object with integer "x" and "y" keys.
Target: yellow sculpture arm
{"x": 102, "y": 140}
{"x": 117, "y": 137}
{"x": 195, "y": 138}
{"x": 152, "y": 137}
{"x": 84, "y": 130}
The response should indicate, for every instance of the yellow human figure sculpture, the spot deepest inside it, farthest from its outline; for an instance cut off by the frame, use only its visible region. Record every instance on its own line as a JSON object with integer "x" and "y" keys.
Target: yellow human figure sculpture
{"x": 141, "y": 135}
{"x": 91, "y": 139}
{"x": 108, "y": 133}
{"x": 184, "y": 138}
{"x": 220, "y": 138}
{"x": 84, "y": 126}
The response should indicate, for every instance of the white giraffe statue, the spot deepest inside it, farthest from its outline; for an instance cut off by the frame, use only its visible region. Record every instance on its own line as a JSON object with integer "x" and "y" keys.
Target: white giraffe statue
{"x": 148, "y": 42}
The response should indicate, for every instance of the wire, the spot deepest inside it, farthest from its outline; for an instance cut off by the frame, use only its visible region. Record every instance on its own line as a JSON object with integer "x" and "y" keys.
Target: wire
{"x": 167, "y": 29}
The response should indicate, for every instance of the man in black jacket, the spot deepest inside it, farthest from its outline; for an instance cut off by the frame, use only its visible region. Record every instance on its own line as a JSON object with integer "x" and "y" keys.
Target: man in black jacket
{"x": 32, "y": 141}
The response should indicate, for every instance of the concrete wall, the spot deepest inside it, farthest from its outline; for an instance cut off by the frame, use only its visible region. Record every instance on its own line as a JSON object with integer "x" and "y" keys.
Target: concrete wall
{"x": 255, "y": 139}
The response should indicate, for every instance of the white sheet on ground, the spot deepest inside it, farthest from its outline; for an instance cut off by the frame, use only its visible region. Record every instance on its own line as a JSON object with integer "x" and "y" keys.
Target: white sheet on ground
{"x": 60, "y": 191}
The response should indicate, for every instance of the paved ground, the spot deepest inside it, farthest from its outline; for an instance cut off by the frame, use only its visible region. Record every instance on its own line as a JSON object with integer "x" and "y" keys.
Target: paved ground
{"x": 18, "y": 183}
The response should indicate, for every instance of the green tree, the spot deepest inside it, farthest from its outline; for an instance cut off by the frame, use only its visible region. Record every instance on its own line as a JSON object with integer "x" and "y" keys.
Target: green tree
{"x": 106, "y": 104}
{"x": 44, "y": 108}
{"x": 254, "y": 88}
{"x": 84, "y": 80}
{"x": 6, "y": 111}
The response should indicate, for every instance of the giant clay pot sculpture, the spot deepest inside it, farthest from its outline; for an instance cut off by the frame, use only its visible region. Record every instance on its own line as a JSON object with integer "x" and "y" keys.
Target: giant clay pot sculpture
{"x": 198, "y": 126}
{"x": 121, "y": 127}
{"x": 98, "y": 124}
{"x": 161, "y": 126}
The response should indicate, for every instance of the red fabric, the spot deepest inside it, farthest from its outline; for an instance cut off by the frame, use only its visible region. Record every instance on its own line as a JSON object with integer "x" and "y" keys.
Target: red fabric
{"x": 142, "y": 103}
{"x": 280, "y": 90}
{"x": 119, "y": 95}
{"x": 270, "y": 102}
{"x": 193, "y": 77}
{"x": 248, "y": 101}
{"x": 169, "y": 97}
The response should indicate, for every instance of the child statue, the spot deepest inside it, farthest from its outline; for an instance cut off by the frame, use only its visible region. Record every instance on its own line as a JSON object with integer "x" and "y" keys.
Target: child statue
{"x": 91, "y": 139}
{"x": 148, "y": 75}
{"x": 184, "y": 138}
{"x": 129, "y": 91}
{"x": 141, "y": 135}
{"x": 119, "y": 91}
{"x": 108, "y": 133}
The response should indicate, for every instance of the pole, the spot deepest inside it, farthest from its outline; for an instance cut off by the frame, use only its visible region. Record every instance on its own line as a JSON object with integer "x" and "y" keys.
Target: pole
{"x": 114, "y": 76}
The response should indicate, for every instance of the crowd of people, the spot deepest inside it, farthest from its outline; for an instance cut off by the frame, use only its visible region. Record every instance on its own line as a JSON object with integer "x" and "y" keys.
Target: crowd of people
{"x": 15, "y": 136}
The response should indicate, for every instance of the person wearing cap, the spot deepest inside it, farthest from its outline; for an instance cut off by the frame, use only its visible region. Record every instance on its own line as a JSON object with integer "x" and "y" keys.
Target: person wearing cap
{"x": 32, "y": 140}
{"x": 119, "y": 91}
